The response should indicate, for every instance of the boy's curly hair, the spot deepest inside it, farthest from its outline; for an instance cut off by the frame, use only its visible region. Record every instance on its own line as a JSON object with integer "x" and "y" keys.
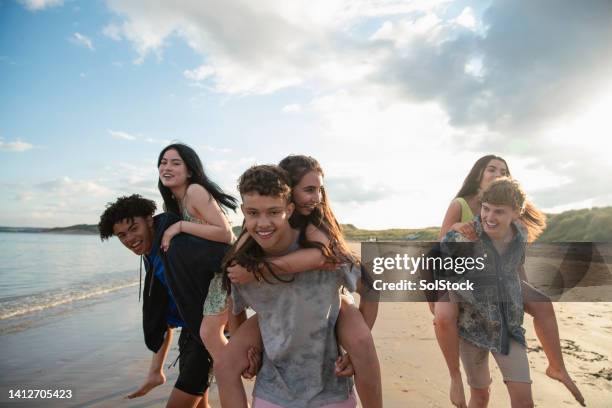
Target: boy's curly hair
{"x": 267, "y": 180}
{"x": 126, "y": 207}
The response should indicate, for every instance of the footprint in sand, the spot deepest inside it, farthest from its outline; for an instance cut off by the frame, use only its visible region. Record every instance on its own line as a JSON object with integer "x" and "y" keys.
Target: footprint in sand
{"x": 604, "y": 373}
{"x": 569, "y": 347}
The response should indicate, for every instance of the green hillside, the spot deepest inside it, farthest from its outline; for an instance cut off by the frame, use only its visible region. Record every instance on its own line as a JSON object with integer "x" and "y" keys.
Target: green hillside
{"x": 353, "y": 233}
{"x": 588, "y": 225}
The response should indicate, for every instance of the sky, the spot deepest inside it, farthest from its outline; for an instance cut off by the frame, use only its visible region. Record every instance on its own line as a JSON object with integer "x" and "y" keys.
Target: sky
{"x": 396, "y": 99}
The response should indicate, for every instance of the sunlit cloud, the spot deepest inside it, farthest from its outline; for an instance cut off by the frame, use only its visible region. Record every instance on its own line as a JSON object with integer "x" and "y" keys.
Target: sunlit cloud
{"x": 82, "y": 40}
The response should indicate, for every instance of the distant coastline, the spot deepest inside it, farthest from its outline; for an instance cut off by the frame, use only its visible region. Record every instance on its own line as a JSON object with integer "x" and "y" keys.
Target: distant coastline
{"x": 79, "y": 229}
{"x": 585, "y": 225}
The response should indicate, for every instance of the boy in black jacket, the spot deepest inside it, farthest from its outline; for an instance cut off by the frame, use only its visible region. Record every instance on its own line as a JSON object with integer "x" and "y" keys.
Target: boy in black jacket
{"x": 176, "y": 285}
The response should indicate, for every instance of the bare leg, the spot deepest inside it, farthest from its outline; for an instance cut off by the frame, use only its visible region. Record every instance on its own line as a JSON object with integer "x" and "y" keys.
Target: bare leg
{"x": 211, "y": 333}
{"x": 156, "y": 369}
{"x": 233, "y": 361}
{"x": 180, "y": 399}
{"x": 355, "y": 336}
{"x": 479, "y": 397}
{"x": 204, "y": 401}
{"x": 520, "y": 394}
{"x": 545, "y": 324}
{"x": 445, "y": 326}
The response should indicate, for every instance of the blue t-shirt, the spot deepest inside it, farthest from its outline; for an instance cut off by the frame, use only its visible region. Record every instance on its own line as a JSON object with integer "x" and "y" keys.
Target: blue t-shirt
{"x": 173, "y": 318}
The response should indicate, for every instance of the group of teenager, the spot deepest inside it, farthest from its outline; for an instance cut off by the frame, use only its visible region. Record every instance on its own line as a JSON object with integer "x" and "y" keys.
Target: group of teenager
{"x": 308, "y": 344}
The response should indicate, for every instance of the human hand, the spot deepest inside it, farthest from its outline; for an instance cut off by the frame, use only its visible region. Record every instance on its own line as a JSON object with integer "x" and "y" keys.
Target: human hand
{"x": 254, "y": 356}
{"x": 172, "y": 230}
{"x": 344, "y": 367}
{"x": 467, "y": 229}
{"x": 239, "y": 274}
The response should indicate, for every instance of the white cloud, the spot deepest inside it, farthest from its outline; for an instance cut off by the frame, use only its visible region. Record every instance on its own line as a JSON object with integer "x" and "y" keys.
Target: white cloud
{"x": 24, "y": 196}
{"x": 120, "y": 135}
{"x": 82, "y": 40}
{"x": 213, "y": 149}
{"x": 292, "y": 108}
{"x": 34, "y": 5}
{"x": 403, "y": 32}
{"x": 112, "y": 31}
{"x": 288, "y": 44}
{"x": 200, "y": 73}
{"x": 466, "y": 18}
{"x": 353, "y": 189}
{"x": 15, "y": 146}
{"x": 475, "y": 67}
{"x": 67, "y": 187}
{"x": 58, "y": 202}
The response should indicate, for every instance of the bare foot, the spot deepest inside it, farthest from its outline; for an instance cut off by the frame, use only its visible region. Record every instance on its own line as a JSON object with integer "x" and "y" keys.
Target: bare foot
{"x": 457, "y": 394}
{"x": 564, "y": 377}
{"x": 153, "y": 380}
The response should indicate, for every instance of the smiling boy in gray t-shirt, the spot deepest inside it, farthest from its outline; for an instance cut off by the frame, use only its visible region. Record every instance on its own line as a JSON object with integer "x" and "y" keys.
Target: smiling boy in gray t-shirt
{"x": 297, "y": 317}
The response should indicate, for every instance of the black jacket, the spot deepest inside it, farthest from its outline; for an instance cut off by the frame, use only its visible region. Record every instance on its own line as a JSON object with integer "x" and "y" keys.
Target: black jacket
{"x": 189, "y": 266}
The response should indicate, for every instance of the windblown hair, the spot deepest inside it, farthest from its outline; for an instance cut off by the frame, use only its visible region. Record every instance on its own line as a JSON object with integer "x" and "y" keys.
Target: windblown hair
{"x": 507, "y": 191}
{"x": 272, "y": 181}
{"x": 322, "y": 217}
{"x": 126, "y": 207}
{"x": 471, "y": 184}
{"x": 194, "y": 167}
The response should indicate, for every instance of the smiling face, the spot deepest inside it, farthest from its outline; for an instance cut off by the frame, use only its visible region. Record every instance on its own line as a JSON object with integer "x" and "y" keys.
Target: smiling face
{"x": 266, "y": 219}
{"x": 172, "y": 169}
{"x": 497, "y": 219}
{"x": 135, "y": 234}
{"x": 494, "y": 170}
{"x": 307, "y": 194}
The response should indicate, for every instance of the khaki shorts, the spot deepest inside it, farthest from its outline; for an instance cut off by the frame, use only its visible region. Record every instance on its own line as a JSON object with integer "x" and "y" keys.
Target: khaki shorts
{"x": 514, "y": 366}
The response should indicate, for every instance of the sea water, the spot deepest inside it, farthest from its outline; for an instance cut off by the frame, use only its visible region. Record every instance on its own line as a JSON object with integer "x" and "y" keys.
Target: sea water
{"x": 42, "y": 273}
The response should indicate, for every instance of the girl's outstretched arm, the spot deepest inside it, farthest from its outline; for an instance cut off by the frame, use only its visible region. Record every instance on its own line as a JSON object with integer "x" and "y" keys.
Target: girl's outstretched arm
{"x": 302, "y": 260}
{"x": 201, "y": 205}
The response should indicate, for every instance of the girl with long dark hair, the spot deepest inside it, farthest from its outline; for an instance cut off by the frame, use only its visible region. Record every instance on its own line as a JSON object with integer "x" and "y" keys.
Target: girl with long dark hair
{"x": 202, "y": 205}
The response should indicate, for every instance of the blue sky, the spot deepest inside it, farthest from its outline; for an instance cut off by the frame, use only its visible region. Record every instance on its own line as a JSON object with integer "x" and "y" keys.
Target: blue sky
{"x": 396, "y": 99}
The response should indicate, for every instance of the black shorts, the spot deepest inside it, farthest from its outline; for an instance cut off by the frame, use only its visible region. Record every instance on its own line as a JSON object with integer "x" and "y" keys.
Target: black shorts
{"x": 195, "y": 365}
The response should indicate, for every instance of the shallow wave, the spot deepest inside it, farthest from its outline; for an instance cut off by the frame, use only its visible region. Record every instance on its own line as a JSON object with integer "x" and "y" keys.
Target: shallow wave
{"x": 27, "y": 304}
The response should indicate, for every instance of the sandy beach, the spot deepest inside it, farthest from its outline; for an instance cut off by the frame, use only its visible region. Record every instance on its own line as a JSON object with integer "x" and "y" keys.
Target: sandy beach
{"x": 97, "y": 351}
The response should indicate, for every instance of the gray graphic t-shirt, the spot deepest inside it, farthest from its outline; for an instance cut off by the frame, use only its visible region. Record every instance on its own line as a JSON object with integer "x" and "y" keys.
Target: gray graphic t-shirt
{"x": 297, "y": 322}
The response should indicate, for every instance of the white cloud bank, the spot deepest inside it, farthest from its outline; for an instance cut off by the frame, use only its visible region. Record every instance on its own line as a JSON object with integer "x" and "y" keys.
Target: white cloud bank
{"x": 35, "y": 5}
{"x": 15, "y": 146}
{"x": 406, "y": 88}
